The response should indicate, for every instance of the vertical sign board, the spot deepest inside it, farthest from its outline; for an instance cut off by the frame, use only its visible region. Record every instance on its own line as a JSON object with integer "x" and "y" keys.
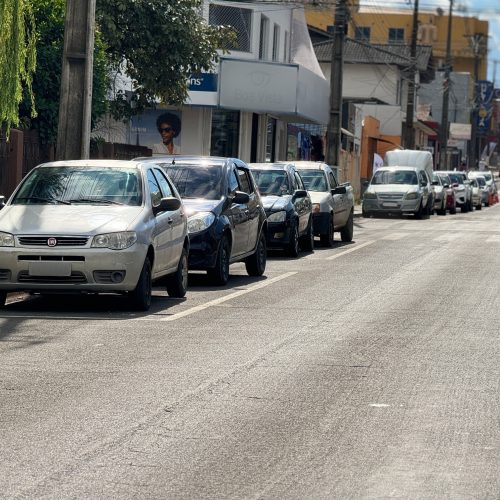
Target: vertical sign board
{"x": 484, "y": 100}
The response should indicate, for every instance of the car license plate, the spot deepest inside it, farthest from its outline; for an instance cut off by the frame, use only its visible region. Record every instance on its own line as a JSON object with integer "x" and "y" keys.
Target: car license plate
{"x": 390, "y": 204}
{"x": 49, "y": 269}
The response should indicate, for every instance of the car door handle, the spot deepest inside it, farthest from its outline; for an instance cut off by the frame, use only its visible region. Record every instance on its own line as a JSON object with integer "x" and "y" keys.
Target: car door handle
{"x": 170, "y": 221}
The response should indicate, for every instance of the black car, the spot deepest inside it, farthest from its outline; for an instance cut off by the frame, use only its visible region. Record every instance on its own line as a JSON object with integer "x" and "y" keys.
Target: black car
{"x": 288, "y": 207}
{"x": 226, "y": 220}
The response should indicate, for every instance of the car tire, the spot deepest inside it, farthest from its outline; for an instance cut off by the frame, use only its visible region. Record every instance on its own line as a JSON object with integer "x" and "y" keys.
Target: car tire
{"x": 256, "y": 263}
{"x": 140, "y": 297}
{"x": 177, "y": 282}
{"x": 453, "y": 210}
{"x": 442, "y": 210}
{"x": 292, "y": 249}
{"x": 347, "y": 231}
{"x": 479, "y": 207}
{"x": 420, "y": 212}
{"x": 307, "y": 241}
{"x": 3, "y": 298}
{"x": 219, "y": 275}
{"x": 464, "y": 208}
{"x": 327, "y": 239}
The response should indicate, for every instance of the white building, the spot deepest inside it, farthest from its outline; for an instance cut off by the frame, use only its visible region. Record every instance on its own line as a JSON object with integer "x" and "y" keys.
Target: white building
{"x": 243, "y": 109}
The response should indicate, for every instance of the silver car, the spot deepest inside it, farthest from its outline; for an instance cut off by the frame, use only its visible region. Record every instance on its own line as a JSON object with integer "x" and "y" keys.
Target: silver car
{"x": 91, "y": 226}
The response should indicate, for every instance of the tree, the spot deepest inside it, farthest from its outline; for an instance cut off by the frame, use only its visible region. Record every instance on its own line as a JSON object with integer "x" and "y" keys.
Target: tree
{"x": 17, "y": 58}
{"x": 159, "y": 44}
{"x": 49, "y": 17}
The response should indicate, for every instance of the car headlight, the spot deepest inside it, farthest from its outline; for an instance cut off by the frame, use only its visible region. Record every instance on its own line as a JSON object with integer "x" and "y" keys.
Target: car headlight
{"x": 316, "y": 208}
{"x": 277, "y": 216}
{"x": 369, "y": 196}
{"x": 6, "y": 240}
{"x": 200, "y": 221}
{"x": 114, "y": 241}
{"x": 411, "y": 196}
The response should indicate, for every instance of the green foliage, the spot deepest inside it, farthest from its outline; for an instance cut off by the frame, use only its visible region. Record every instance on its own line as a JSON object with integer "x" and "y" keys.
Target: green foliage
{"x": 17, "y": 58}
{"x": 49, "y": 17}
{"x": 162, "y": 43}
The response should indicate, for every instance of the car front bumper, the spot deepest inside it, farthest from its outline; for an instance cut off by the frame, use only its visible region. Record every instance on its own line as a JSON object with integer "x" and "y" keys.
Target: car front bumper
{"x": 79, "y": 270}
{"x": 400, "y": 206}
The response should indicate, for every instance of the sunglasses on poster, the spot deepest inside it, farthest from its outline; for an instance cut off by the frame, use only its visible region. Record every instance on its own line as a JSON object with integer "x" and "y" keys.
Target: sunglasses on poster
{"x": 165, "y": 129}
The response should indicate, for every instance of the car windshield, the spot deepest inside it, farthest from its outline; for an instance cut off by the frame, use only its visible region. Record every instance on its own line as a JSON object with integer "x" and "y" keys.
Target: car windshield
{"x": 271, "y": 182}
{"x": 456, "y": 178}
{"x": 487, "y": 177}
{"x": 436, "y": 178}
{"x": 314, "y": 180}
{"x": 445, "y": 179}
{"x": 89, "y": 185}
{"x": 197, "y": 181}
{"x": 481, "y": 181}
{"x": 394, "y": 177}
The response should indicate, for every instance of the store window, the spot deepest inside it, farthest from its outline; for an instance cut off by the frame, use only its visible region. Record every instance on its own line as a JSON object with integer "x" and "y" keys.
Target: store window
{"x": 225, "y": 133}
{"x": 396, "y": 35}
{"x": 271, "y": 140}
{"x": 362, "y": 33}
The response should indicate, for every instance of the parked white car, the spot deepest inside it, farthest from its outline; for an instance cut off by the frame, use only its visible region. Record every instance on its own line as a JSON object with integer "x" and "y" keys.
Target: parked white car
{"x": 477, "y": 194}
{"x": 462, "y": 188}
{"x": 440, "y": 194}
{"x": 92, "y": 226}
{"x": 491, "y": 187}
{"x": 332, "y": 203}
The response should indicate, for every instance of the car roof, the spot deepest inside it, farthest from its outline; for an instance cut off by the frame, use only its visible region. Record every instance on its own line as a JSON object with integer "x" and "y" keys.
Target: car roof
{"x": 270, "y": 166}
{"x": 186, "y": 158}
{"x": 396, "y": 167}
{"x": 92, "y": 163}
{"x": 310, "y": 165}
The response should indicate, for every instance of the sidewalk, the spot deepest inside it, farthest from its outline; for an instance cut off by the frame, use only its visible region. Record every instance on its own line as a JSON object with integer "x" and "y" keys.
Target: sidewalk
{"x": 357, "y": 211}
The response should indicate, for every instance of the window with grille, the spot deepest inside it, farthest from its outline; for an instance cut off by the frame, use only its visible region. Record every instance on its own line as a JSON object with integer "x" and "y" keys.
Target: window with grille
{"x": 239, "y": 19}
{"x": 264, "y": 37}
{"x": 286, "y": 51}
{"x": 396, "y": 35}
{"x": 276, "y": 42}
{"x": 362, "y": 33}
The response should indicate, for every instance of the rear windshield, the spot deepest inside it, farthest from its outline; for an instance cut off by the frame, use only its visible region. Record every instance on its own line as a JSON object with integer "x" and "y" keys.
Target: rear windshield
{"x": 395, "y": 177}
{"x": 271, "y": 182}
{"x": 456, "y": 178}
{"x": 197, "y": 181}
{"x": 487, "y": 176}
{"x": 314, "y": 180}
{"x": 88, "y": 185}
{"x": 481, "y": 181}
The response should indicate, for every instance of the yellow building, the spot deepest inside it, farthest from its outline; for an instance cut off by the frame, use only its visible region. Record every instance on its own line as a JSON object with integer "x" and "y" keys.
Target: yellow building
{"x": 377, "y": 25}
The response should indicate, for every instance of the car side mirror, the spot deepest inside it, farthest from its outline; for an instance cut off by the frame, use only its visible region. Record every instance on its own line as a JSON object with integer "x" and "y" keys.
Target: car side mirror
{"x": 240, "y": 198}
{"x": 435, "y": 183}
{"x": 455, "y": 185}
{"x": 446, "y": 186}
{"x": 339, "y": 190}
{"x": 167, "y": 205}
{"x": 2, "y": 202}
{"x": 300, "y": 193}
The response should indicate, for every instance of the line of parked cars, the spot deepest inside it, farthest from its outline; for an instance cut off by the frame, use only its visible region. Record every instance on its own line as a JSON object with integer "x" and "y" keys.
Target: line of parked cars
{"x": 97, "y": 226}
{"x": 409, "y": 185}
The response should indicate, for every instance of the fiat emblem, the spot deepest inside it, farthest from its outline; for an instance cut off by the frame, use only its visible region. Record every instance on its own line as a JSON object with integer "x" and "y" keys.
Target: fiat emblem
{"x": 51, "y": 242}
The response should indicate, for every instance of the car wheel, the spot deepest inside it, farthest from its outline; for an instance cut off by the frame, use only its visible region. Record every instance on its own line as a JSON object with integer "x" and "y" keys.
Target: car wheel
{"x": 327, "y": 238}
{"x": 292, "y": 249}
{"x": 420, "y": 212}
{"x": 464, "y": 208}
{"x": 479, "y": 206}
{"x": 307, "y": 241}
{"x": 442, "y": 210}
{"x": 256, "y": 263}
{"x": 140, "y": 298}
{"x": 453, "y": 210}
{"x": 347, "y": 232}
{"x": 177, "y": 283}
{"x": 219, "y": 275}
{"x": 3, "y": 298}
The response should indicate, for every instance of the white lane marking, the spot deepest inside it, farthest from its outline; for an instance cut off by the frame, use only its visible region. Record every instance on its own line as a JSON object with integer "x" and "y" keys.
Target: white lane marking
{"x": 395, "y": 236}
{"x": 495, "y": 238}
{"x": 220, "y": 300}
{"x": 357, "y": 247}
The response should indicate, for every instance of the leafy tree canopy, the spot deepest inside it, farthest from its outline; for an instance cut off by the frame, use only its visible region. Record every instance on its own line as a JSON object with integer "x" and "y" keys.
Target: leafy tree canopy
{"x": 49, "y": 18}
{"x": 159, "y": 43}
{"x": 17, "y": 58}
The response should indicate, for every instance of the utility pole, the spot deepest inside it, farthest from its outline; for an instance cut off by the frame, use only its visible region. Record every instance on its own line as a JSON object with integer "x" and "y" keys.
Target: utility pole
{"x": 333, "y": 137}
{"x": 443, "y": 132}
{"x": 409, "y": 141}
{"x": 75, "y": 103}
{"x": 476, "y": 41}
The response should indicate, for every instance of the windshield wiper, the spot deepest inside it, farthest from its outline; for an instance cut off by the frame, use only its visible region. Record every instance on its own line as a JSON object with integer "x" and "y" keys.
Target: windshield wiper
{"x": 96, "y": 200}
{"x": 39, "y": 198}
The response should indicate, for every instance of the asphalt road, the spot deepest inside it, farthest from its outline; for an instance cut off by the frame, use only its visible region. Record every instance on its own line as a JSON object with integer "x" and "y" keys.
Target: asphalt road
{"x": 370, "y": 370}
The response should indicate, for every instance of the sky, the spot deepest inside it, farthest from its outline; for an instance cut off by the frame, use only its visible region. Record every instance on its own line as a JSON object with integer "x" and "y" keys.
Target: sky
{"x": 483, "y": 9}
